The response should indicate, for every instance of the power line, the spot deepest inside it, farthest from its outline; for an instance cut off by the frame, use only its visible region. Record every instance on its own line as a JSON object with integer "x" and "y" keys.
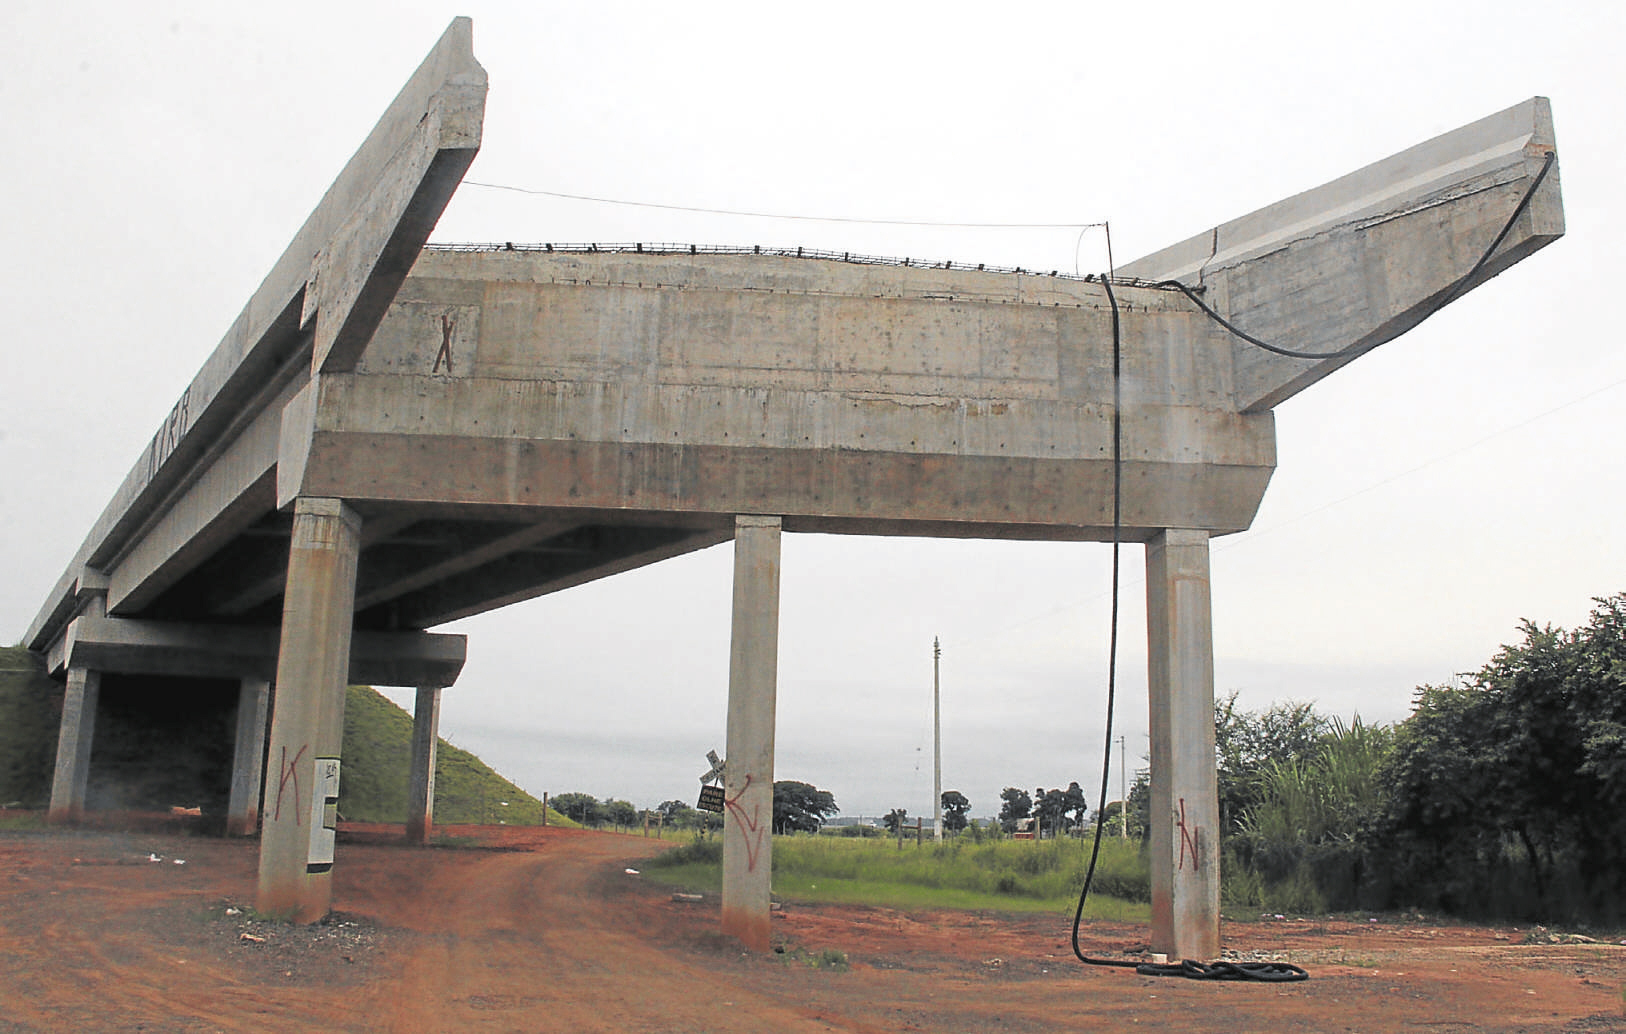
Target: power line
{"x": 697, "y": 209}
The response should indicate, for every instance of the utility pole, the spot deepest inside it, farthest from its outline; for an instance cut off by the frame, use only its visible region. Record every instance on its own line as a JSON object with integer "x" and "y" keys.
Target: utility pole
{"x": 937, "y": 744}
{"x": 1123, "y": 788}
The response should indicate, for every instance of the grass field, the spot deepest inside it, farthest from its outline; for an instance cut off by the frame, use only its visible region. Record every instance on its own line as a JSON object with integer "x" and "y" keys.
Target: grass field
{"x": 1006, "y": 875}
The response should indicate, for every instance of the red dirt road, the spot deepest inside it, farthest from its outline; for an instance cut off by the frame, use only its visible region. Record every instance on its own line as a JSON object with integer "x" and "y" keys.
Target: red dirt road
{"x": 549, "y": 934}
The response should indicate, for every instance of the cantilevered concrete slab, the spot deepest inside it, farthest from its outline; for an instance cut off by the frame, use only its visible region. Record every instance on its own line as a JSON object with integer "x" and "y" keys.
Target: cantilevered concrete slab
{"x": 373, "y": 453}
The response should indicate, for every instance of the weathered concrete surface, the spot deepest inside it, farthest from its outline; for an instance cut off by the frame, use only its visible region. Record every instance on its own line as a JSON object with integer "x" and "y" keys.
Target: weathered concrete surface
{"x": 1360, "y": 260}
{"x": 753, "y": 678}
{"x": 307, "y": 720}
{"x": 317, "y": 306}
{"x": 425, "y": 739}
{"x": 248, "y": 758}
{"x": 1184, "y": 816}
{"x": 134, "y": 647}
{"x": 73, "y": 745}
{"x": 843, "y": 397}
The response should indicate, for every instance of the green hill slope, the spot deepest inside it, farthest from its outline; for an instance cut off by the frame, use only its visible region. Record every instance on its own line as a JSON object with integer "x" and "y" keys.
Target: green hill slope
{"x": 30, "y": 713}
{"x": 190, "y": 769}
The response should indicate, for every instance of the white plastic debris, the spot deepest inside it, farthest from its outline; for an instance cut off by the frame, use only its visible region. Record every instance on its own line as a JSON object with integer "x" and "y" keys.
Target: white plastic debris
{"x": 180, "y": 861}
{"x": 234, "y": 911}
{"x": 154, "y": 858}
{"x": 632, "y": 872}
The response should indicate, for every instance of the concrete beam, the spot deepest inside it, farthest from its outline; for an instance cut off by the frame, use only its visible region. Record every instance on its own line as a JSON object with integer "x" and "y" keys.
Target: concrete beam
{"x": 228, "y": 651}
{"x": 603, "y": 551}
{"x": 753, "y": 675}
{"x": 307, "y": 722}
{"x": 248, "y": 758}
{"x": 1184, "y": 835}
{"x": 1358, "y": 261}
{"x": 417, "y": 575}
{"x": 343, "y": 266}
{"x": 425, "y": 741}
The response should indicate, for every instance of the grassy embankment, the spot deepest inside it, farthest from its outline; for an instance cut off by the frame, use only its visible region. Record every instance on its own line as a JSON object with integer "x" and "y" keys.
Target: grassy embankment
{"x": 378, "y": 754}
{"x": 1005, "y": 875}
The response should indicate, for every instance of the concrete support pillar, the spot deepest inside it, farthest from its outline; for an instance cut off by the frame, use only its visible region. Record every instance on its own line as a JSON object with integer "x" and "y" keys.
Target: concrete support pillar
{"x": 248, "y": 757}
{"x": 73, "y": 746}
{"x": 1185, "y": 800}
{"x": 307, "y": 721}
{"x": 753, "y": 674}
{"x": 425, "y": 733}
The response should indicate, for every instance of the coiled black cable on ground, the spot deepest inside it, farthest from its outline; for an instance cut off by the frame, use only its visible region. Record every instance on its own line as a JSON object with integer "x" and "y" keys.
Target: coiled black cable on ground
{"x": 1274, "y": 972}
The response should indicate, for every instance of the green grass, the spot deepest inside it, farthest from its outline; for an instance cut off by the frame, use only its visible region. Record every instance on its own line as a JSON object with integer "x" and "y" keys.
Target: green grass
{"x": 30, "y": 713}
{"x": 1006, "y": 875}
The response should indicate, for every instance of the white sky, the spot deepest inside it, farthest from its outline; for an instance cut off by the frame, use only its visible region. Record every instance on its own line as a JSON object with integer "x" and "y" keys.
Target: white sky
{"x": 161, "y": 155}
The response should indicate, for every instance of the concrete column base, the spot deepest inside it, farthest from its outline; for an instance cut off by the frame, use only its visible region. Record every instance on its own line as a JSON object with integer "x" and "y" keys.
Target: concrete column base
{"x": 307, "y": 721}
{"x": 248, "y": 757}
{"x": 425, "y": 733}
{"x": 753, "y": 674}
{"x": 1184, "y": 832}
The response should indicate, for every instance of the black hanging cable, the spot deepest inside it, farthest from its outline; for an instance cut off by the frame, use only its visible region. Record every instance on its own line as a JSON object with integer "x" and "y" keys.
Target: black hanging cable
{"x": 1446, "y": 299}
{"x": 1265, "y": 971}
{"x": 1275, "y": 972}
{"x": 1112, "y": 639}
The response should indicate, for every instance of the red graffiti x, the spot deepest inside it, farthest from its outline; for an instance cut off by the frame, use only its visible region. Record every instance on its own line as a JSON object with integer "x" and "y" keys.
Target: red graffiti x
{"x": 754, "y": 831}
{"x": 1188, "y": 838}
{"x": 290, "y": 770}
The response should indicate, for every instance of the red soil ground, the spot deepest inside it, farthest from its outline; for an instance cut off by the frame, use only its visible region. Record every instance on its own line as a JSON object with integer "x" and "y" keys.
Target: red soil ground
{"x": 542, "y": 930}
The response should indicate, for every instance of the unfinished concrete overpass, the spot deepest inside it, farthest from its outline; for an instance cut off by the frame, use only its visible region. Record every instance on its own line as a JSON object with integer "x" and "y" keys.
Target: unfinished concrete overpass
{"x": 390, "y": 438}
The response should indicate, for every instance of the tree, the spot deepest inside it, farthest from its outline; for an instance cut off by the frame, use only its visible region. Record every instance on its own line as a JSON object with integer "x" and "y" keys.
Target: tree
{"x": 1016, "y": 805}
{"x": 894, "y": 820}
{"x": 1518, "y": 775}
{"x": 620, "y": 813}
{"x": 800, "y": 807}
{"x": 955, "y": 806}
{"x": 1245, "y": 741}
{"x": 583, "y": 807}
{"x": 1051, "y": 808}
{"x": 676, "y": 813}
{"x": 1140, "y": 804}
{"x": 1075, "y": 806}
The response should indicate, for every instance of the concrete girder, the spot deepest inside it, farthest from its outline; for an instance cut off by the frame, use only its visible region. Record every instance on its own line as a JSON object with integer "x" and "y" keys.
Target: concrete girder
{"x": 1359, "y": 261}
{"x": 135, "y": 647}
{"x": 364, "y": 235}
{"x": 582, "y": 555}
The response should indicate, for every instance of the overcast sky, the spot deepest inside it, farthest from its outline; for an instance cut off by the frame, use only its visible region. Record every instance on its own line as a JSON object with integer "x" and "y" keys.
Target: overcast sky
{"x": 161, "y": 155}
